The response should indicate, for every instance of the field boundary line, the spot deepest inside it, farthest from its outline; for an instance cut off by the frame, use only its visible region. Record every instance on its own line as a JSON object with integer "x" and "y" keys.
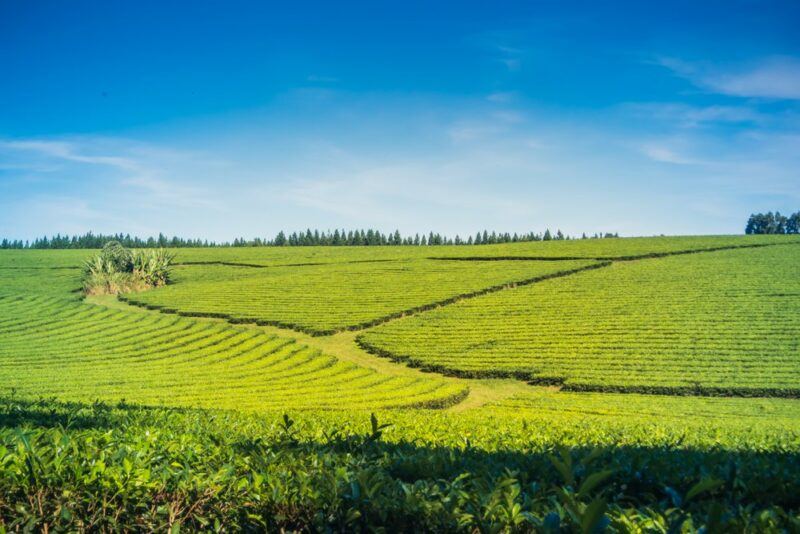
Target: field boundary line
{"x": 305, "y": 264}
{"x": 609, "y": 258}
{"x": 440, "y": 369}
{"x": 686, "y": 391}
{"x": 532, "y": 379}
{"x": 372, "y": 322}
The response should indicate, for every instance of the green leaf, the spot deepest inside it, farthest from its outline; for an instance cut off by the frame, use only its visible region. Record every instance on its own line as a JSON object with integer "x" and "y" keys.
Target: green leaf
{"x": 592, "y": 481}
{"x": 593, "y": 515}
{"x": 563, "y": 469}
{"x": 707, "y": 484}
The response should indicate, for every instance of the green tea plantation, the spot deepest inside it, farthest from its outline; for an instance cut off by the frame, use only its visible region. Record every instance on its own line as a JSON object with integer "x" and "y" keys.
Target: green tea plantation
{"x": 620, "y": 385}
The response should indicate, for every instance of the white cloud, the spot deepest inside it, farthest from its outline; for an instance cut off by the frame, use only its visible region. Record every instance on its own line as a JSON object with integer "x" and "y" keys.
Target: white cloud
{"x": 410, "y": 191}
{"x": 694, "y": 116}
{"x": 665, "y": 154}
{"x": 69, "y": 151}
{"x": 483, "y": 126}
{"x": 413, "y": 166}
{"x": 775, "y": 77}
{"x": 139, "y": 166}
{"x": 500, "y": 51}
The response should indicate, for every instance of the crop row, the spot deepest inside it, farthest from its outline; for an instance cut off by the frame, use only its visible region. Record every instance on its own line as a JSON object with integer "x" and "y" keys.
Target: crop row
{"x": 47, "y": 281}
{"x": 723, "y": 322}
{"x": 78, "y": 351}
{"x": 73, "y": 467}
{"x": 323, "y": 299}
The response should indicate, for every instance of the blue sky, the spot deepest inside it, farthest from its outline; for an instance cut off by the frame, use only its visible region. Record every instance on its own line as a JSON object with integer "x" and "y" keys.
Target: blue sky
{"x": 218, "y": 120}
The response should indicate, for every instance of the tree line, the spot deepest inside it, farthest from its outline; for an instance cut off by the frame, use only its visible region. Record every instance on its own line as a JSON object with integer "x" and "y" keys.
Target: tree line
{"x": 773, "y": 223}
{"x": 91, "y": 240}
{"x": 307, "y": 238}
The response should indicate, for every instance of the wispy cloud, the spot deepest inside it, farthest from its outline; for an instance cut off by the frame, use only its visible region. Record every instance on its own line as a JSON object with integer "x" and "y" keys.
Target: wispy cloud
{"x": 69, "y": 151}
{"x": 415, "y": 167}
{"x": 502, "y": 97}
{"x": 664, "y": 153}
{"x": 501, "y": 48}
{"x": 410, "y": 189}
{"x": 131, "y": 164}
{"x": 688, "y": 116}
{"x": 480, "y": 126}
{"x": 776, "y": 77}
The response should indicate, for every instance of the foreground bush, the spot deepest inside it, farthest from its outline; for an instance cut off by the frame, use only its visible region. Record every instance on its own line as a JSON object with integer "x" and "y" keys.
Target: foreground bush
{"x": 98, "y": 468}
{"x": 119, "y": 270}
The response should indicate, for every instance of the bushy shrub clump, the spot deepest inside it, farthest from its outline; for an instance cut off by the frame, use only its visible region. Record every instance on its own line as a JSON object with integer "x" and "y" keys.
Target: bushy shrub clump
{"x": 117, "y": 269}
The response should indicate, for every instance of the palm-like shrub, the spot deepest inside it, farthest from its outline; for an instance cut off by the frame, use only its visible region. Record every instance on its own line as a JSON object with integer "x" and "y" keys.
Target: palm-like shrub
{"x": 119, "y": 270}
{"x": 152, "y": 266}
{"x": 119, "y": 257}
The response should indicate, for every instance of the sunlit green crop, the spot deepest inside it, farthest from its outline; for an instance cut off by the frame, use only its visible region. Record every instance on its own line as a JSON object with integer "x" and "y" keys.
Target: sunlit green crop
{"x": 325, "y": 298}
{"x": 718, "y": 322}
{"x": 166, "y": 416}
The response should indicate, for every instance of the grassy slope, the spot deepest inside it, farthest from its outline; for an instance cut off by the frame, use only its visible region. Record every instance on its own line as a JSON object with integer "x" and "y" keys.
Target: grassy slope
{"x": 130, "y": 468}
{"x": 726, "y": 320}
{"x": 322, "y": 298}
{"x": 52, "y": 344}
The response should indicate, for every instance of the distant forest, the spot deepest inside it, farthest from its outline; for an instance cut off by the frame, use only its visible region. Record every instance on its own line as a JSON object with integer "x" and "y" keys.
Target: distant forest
{"x": 302, "y": 239}
{"x": 773, "y": 223}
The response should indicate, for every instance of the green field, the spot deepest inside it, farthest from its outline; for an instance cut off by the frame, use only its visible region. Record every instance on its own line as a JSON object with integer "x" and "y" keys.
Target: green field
{"x": 325, "y": 298}
{"x": 85, "y": 352}
{"x": 645, "y": 384}
{"x": 727, "y": 320}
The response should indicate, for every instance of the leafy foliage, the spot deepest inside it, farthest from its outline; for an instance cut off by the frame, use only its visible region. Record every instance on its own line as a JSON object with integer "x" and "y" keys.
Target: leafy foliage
{"x": 315, "y": 443}
{"x": 116, "y": 269}
{"x": 97, "y": 467}
{"x": 773, "y": 223}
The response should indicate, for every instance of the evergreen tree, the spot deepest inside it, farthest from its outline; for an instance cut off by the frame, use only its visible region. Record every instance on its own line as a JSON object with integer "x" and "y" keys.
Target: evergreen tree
{"x": 793, "y": 223}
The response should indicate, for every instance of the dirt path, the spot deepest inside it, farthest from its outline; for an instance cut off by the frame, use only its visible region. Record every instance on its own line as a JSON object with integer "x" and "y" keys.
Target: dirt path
{"x": 342, "y": 345}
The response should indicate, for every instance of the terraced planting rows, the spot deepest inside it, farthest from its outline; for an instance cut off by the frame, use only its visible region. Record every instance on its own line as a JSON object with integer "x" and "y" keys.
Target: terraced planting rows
{"x": 64, "y": 282}
{"x": 321, "y": 299}
{"x": 75, "y": 351}
{"x": 709, "y": 420}
{"x": 724, "y": 322}
{"x": 309, "y": 456}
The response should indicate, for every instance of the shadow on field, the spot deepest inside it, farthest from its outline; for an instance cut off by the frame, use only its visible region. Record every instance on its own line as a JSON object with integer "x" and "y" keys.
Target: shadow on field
{"x": 53, "y": 413}
{"x": 664, "y": 474}
{"x": 155, "y": 468}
